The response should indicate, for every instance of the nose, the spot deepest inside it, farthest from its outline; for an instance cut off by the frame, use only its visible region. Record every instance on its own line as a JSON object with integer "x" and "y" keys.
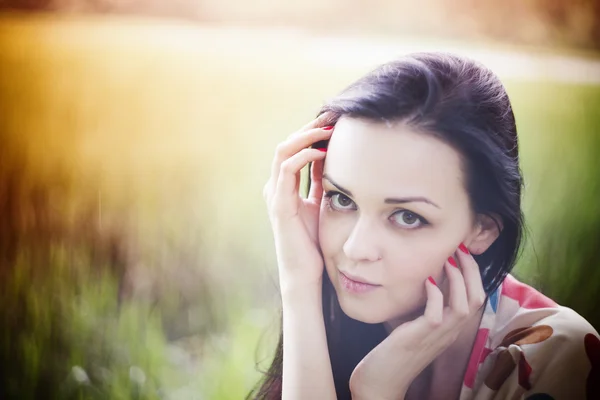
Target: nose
{"x": 362, "y": 244}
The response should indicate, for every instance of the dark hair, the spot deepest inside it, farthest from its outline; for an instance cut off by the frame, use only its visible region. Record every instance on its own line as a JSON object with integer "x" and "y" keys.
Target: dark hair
{"x": 464, "y": 104}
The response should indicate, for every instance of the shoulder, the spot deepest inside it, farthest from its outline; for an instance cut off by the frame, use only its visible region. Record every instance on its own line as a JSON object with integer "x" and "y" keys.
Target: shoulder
{"x": 539, "y": 348}
{"x": 520, "y": 306}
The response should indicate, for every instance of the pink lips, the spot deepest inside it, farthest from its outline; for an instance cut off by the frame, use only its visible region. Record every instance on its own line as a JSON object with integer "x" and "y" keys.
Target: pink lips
{"x": 355, "y": 284}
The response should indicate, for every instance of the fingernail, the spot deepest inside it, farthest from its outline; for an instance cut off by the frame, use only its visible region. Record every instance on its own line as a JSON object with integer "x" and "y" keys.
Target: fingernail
{"x": 463, "y": 248}
{"x": 452, "y": 262}
{"x": 322, "y": 149}
{"x": 328, "y": 128}
{"x": 432, "y": 280}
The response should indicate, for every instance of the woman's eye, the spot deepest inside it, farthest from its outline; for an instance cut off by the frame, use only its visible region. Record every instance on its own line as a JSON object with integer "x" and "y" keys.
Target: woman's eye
{"x": 340, "y": 201}
{"x": 407, "y": 219}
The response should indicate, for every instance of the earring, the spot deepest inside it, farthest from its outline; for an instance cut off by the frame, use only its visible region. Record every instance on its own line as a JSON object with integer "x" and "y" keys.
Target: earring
{"x": 331, "y": 310}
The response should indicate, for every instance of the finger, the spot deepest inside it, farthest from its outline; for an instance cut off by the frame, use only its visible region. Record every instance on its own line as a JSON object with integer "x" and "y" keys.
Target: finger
{"x": 290, "y": 169}
{"x": 322, "y": 120}
{"x": 432, "y": 318}
{"x": 299, "y": 179}
{"x": 319, "y": 122}
{"x": 316, "y": 180}
{"x": 457, "y": 300}
{"x": 417, "y": 331}
{"x": 472, "y": 276}
{"x": 293, "y": 145}
{"x": 434, "y": 307}
{"x": 312, "y": 185}
{"x": 267, "y": 191}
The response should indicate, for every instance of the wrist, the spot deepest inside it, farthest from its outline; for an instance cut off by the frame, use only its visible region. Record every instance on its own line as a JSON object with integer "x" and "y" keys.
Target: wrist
{"x": 302, "y": 302}
{"x": 301, "y": 292}
{"x": 362, "y": 394}
{"x": 369, "y": 397}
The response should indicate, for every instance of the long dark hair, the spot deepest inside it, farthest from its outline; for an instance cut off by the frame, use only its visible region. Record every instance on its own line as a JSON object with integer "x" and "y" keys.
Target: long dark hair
{"x": 464, "y": 104}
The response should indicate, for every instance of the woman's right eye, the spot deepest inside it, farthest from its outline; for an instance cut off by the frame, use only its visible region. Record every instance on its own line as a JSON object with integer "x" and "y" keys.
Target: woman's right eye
{"x": 340, "y": 201}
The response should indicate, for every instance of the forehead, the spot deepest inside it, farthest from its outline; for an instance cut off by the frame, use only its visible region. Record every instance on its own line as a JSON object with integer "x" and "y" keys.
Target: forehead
{"x": 392, "y": 159}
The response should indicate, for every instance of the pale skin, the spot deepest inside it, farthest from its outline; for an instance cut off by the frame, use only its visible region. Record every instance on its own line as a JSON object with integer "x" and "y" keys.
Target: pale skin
{"x": 395, "y": 245}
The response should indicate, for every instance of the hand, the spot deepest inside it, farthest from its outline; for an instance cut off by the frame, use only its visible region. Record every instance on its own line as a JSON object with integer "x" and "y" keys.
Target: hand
{"x": 295, "y": 220}
{"x": 389, "y": 369}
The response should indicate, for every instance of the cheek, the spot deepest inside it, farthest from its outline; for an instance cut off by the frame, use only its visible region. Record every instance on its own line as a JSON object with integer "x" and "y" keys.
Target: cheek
{"x": 415, "y": 260}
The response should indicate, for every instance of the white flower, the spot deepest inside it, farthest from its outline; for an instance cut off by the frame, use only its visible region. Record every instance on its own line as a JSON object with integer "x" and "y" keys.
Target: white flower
{"x": 137, "y": 375}
{"x": 80, "y": 375}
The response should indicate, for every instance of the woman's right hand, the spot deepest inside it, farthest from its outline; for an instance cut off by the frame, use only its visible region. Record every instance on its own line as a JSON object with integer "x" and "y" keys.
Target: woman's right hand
{"x": 295, "y": 220}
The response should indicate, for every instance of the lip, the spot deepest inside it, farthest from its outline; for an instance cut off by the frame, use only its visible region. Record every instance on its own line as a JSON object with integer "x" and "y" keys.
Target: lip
{"x": 357, "y": 279}
{"x": 355, "y": 284}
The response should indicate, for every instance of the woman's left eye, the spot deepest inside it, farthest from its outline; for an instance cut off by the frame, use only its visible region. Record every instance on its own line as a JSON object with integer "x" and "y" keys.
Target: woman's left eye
{"x": 408, "y": 219}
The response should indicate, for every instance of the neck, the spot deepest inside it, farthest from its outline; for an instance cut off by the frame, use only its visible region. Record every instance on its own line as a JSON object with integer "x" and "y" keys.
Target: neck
{"x": 449, "y": 368}
{"x": 443, "y": 378}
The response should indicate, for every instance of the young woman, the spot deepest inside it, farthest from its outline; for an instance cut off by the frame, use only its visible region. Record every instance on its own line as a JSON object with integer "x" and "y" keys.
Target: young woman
{"x": 394, "y": 271}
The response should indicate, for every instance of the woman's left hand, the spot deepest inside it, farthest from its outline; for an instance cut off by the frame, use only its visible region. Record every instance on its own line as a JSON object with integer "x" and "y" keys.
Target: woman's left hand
{"x": 389, "y": 369}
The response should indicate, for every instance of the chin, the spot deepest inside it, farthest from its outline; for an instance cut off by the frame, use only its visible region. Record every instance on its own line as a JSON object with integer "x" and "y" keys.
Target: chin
{"x": 361, "y": 310}
{"x": 375, "y": 311}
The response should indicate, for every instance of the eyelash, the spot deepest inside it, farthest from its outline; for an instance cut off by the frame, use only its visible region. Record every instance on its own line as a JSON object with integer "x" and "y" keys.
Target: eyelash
{"x": 328, "y": 197}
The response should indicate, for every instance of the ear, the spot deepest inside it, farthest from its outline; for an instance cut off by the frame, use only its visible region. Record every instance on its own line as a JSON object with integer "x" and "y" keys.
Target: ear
{"x": 487, "y": 229}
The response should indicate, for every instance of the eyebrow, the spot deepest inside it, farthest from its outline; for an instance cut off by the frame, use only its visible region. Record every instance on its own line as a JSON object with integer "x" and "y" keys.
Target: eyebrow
{"x": 389, "y": 200}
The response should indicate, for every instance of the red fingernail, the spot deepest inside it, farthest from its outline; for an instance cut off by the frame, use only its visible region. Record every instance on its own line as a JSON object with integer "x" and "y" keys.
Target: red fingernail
{"x": 323, "y": 149}
{"x": 463, "y": 248}
{"x": 432, "y": 280}
{"x": 452, "y": 262}
{"x": 327, "y": 128}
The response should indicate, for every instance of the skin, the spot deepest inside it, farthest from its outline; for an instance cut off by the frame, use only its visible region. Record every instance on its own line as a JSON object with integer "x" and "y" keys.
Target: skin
{"x": 398, "y": 246}
{"x": 295, "y": 227}
{"x": 431, "y": 328}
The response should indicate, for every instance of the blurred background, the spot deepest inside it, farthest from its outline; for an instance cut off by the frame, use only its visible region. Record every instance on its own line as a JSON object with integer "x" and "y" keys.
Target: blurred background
{"x": 136, "y": 256}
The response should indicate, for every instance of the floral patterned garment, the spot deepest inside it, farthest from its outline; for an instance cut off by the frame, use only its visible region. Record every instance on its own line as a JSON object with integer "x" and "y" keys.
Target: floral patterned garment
{"x": 528, "y": 347}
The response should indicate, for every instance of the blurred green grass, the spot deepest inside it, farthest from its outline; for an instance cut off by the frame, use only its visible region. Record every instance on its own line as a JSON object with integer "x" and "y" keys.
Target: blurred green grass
{"x": 559, "y": 128}
{"x": 165, "y": 134}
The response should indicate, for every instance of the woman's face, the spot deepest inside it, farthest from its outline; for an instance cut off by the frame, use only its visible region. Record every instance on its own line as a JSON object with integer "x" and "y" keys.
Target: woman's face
{"x": 394, "y": 209}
